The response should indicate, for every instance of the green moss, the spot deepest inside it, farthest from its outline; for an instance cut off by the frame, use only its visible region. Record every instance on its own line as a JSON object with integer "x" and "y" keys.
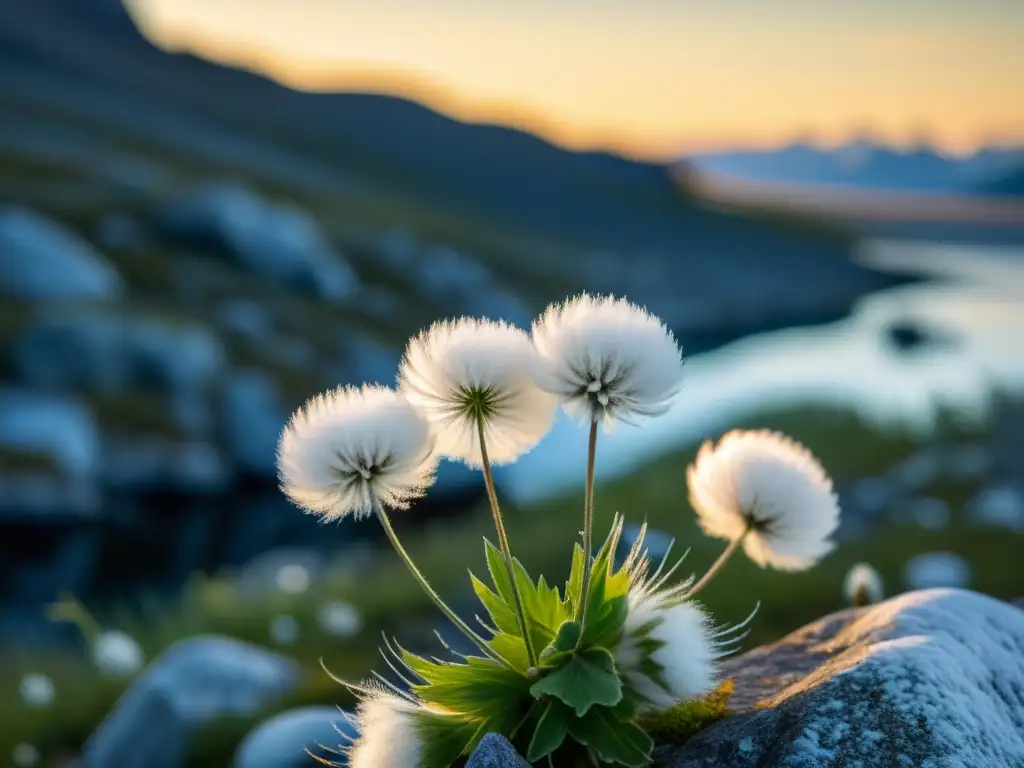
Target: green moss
{"x": 679, "y": 723}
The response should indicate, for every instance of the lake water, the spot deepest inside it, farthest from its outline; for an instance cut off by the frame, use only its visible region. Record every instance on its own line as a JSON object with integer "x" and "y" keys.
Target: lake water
{"x": 975, "y": 297}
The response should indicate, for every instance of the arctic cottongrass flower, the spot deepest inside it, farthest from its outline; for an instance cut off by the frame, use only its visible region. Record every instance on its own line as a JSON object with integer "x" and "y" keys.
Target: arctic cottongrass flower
{"x": 461, "y": 372}
{"x": 387, "y": 733}
{"x": 607, "y": 359}
{"x": 353, "y": 448}
{"x": 36, "y": 690}
{"x": 863, "y": 585}
{"x": 767, "y": 492}
{"x": 292, "y": 579}
{"x": 117, "y": 654}
{"x": 667, "y": 652}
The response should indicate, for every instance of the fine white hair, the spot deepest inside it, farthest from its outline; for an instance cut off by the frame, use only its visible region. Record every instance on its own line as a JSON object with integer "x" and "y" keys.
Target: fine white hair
{"x": 456, "y": 371}
{"x": 387, "y": 733}
{"x": 607, "y": 359}
{"x": 353, "y": 448}
{"x": 773, "y": 488}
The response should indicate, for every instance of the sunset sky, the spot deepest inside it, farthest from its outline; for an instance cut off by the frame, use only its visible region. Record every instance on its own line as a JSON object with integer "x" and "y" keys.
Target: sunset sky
{"x": 651, "y": 78}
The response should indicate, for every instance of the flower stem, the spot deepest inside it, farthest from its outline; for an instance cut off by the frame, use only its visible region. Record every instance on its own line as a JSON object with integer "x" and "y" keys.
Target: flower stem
{"x": 418, "y": 575}
{"x": 717, "y": 565}
{"x": 506, "y": 550}
{"x": 588, "y": 524}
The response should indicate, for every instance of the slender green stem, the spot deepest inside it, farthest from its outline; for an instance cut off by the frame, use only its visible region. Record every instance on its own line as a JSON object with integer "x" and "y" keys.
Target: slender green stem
{"x": 588, "y": 524}
{"x": 506, "y": 551}
{"x": 717, "y": 565}
{"x": 418, "y": 575}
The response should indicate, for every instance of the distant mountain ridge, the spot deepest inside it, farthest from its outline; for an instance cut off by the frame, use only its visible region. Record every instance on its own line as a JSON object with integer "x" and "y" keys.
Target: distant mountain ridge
{"x": 866, "y": 164}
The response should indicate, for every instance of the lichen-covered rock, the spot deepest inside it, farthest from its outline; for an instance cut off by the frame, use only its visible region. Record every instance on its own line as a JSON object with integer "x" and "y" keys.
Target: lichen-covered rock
{"x": 40, "y": 259}
{"x": 929, "y": 679}
{"x": 191, "y": 683}
{"x": 287, "y": 740}
{"x": 495, "y": 751}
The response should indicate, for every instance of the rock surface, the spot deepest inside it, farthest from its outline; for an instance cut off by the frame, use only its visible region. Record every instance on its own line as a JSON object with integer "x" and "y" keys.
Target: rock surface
{"x": 495, "y": 751}
{"x": 193, "y": 682}
{"x": 283, "y": 740}
{"x": 929, "y": 679}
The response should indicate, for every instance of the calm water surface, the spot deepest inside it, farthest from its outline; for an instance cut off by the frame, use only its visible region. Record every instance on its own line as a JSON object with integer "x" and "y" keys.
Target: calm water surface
{"x": 976, "y": 299}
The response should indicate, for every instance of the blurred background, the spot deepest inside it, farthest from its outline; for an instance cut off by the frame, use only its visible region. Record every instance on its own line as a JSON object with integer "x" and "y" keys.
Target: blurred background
{"x": 211, "y": 210}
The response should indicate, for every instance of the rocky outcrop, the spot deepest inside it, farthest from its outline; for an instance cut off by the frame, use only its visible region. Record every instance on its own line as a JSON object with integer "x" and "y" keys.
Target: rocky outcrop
{"x": 929, "y": 678}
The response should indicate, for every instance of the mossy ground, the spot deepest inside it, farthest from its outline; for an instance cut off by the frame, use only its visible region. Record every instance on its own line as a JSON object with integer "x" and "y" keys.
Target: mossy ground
{"x": 542, "y": 536}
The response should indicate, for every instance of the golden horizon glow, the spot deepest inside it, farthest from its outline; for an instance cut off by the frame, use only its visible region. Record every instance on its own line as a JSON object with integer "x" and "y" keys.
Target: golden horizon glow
{"x": 645, "y": 81}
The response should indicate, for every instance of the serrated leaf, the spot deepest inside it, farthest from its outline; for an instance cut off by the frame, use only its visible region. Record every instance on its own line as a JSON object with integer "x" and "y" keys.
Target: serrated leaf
{"x": 502, "y": 614}
{"x": 512, "y": 649}
{"x": 445, "y": 738}
{"x": 551, "y": 730}
{"x": 617, "y": 741}
{"x": 587, "y": 679}
{"x": 574, "y": 585}
{"x": 605, "y": 622}
{"x": 499, "y": 572}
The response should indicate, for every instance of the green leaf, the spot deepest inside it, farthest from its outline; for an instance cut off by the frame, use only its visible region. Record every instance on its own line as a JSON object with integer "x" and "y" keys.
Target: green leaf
{"x": 588, "y": 678}
{"x": 512, "y": 649}
{"x": 574, "y": 585}
{"x": 477, "y": 688}
{"x": 499, "y": 572}
{"x": 568, "y": 636}
{"x": 551, "y": 730}
{"x": 542, "y": 605}
{"x": 615, "y": 740}
{"x": 445, "y": 738}
{"x": 503, "y": 614}
{"x": 605, "y": 622}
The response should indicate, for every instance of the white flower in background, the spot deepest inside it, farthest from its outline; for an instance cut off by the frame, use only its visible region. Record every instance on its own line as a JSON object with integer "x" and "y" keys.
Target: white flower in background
{"x": 456, "y": 371}
{"x": 292, "y": 579}
{"x": 284, "y": 630}
{"x": 340, "y": 619}
{"x": 769, "y": 487}
{"x": 607, "y": 359}
{"x": 351, "y": 448}
{"x": 117, "y": 654}
{"x": 863, "y": 585}
{"x": 387, "y": 733}
{"x": 25, "y": 755}
{"x": 36, "y": 690}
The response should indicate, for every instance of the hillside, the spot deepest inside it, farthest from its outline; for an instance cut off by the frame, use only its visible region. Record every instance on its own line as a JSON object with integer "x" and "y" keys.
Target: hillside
{"x": 189, "y": 251}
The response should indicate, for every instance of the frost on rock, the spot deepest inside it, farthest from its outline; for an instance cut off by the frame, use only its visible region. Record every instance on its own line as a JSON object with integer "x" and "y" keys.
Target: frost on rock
{"x": 929, "y": 679}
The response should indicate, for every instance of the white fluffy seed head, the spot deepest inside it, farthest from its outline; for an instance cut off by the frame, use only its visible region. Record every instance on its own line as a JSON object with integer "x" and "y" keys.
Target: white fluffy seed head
{"x": 388, "y": 737}
{"x": 863, "y": 585}
{"x": 667, "y": 652}
{"x": 36, "y": 690}
{"x": 456, "y": 370}
{"x": 349, "y": 449}
{"x": 117, "y": 654}
{"x": 773, "y": 485}
{"x": 607, "y": 359}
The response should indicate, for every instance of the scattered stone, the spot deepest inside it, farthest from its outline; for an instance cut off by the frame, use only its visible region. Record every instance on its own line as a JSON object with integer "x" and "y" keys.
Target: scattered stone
{"x": 245, "y": 318}
{"x": 280, "y": 243}
{"x": 40, "y": 259}
{"x": 116, "y": 230}
{"x": 281, "y": 569}
{"x": 928, "y": 678}
{"x": 871, "y": 494}
{"x": 253, "y": 420}
{"x": 495, "y": 751}
{"x": 969, "y": 462}
{"x": 937, "y": 569}
{"x": 919, "y": 471}
{"x": 1001, "y": 505}
{"x": 931, "y": 513}
{"x": 193, "y": 682}
{"x": 284, "y": 630}
{"x": 283, "y": 740}
{"x": 340, "y": 619}
{"x": 36, "y": 690}
{"x": 117, "y": 654}
{"x": 61, "y": 429}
